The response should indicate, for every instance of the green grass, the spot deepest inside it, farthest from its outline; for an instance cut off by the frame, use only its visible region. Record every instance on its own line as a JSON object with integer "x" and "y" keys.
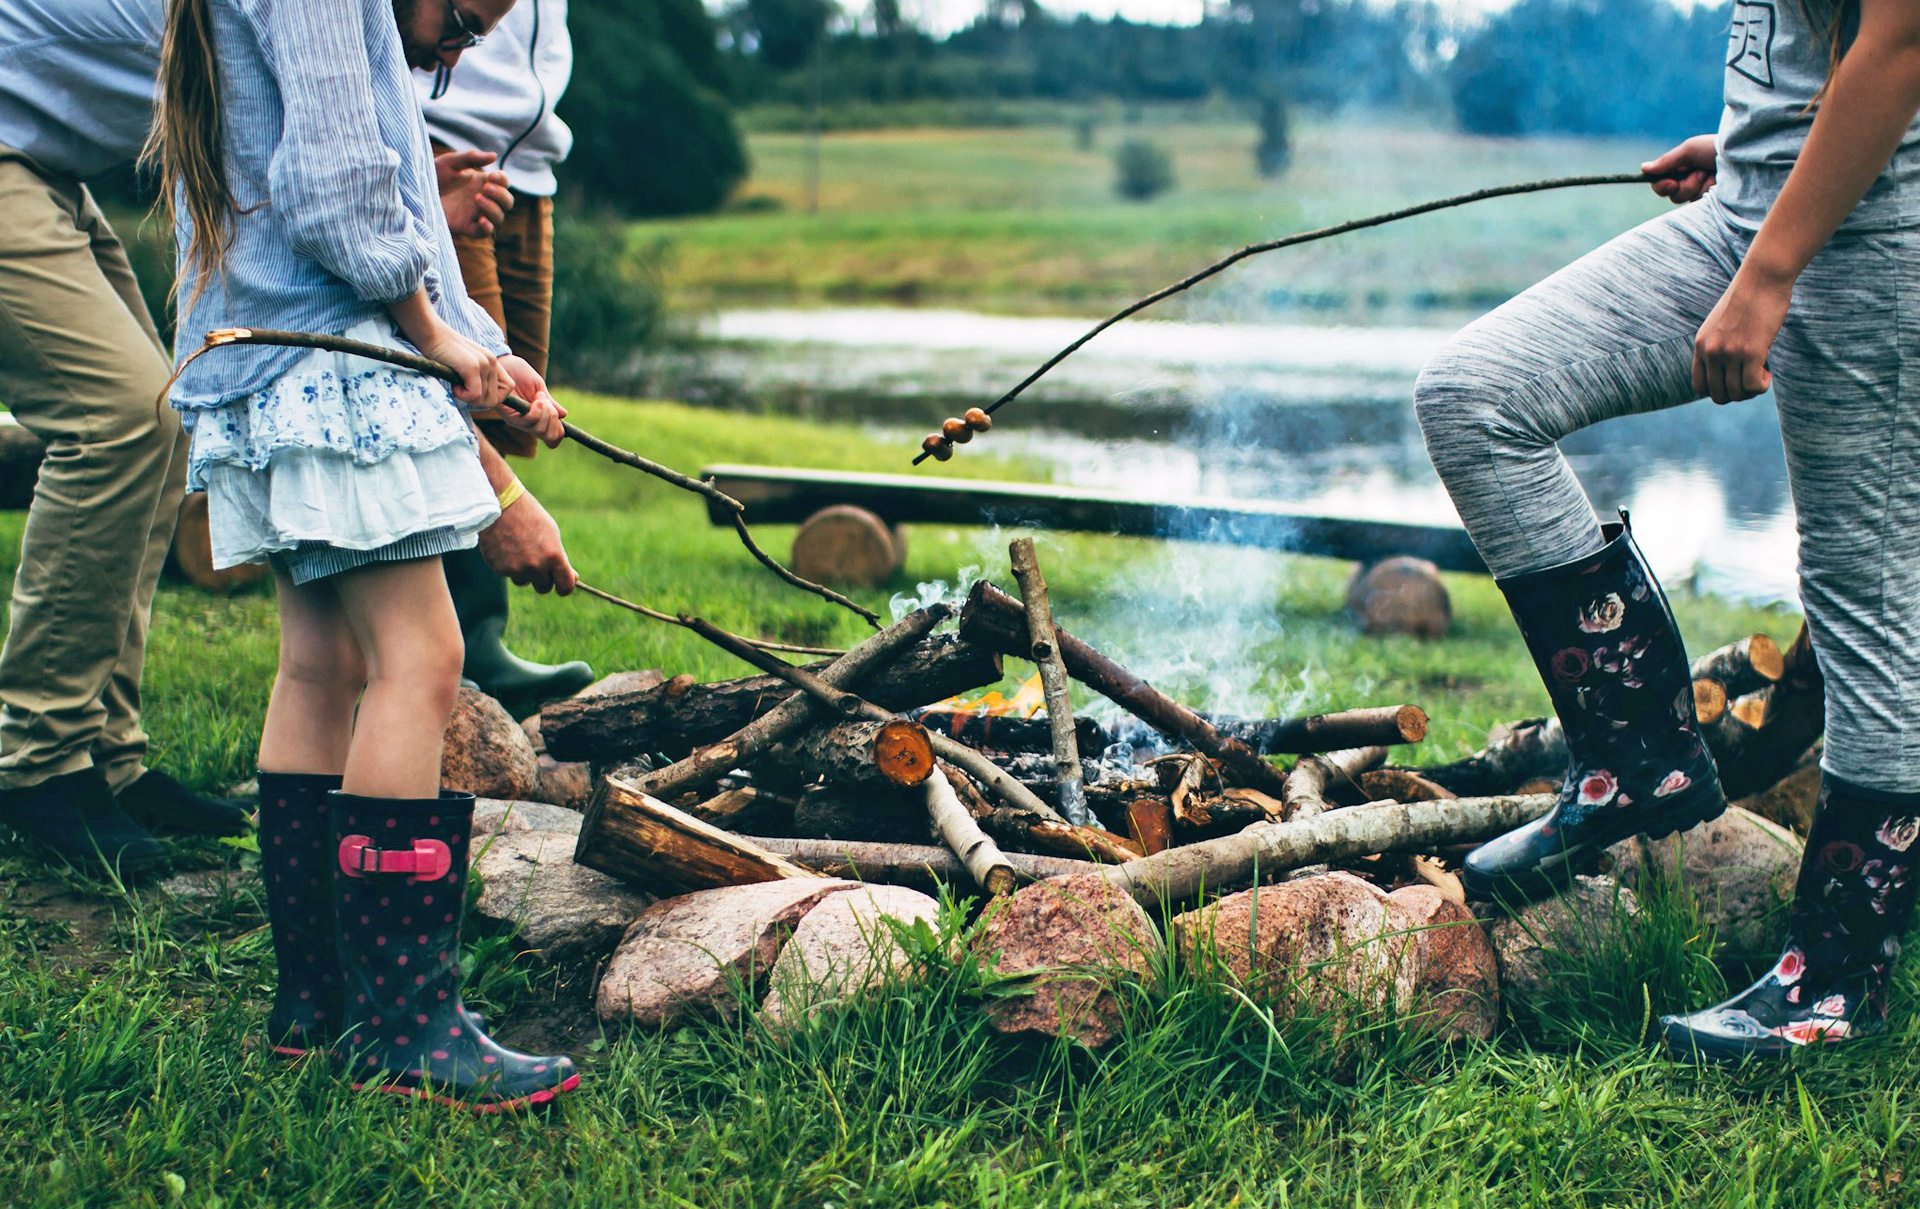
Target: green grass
{"x": 1022, "y": 219}
{"x": 125, "y": 1077}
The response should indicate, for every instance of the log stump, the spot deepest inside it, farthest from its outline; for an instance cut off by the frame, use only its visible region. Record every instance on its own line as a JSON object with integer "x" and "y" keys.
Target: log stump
{"x": 193, "y": 553}
{"x": 1400, "y": 596}
{"x": 848, "y": 546}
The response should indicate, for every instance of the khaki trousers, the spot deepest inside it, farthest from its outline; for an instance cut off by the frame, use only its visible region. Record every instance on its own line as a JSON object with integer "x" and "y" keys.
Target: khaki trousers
{"x": 510, "y": 275}
{"x": 82, "y": 368}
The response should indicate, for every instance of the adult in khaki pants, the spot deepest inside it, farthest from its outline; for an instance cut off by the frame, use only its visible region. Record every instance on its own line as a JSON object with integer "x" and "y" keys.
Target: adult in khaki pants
{"x": 82, "y": 368}
{"x": 498, "y": 106}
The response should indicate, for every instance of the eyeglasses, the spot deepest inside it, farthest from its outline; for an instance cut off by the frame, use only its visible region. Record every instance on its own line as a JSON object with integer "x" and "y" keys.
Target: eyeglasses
{"x": 463, "y": 35}
{"x": 463, "y": 31}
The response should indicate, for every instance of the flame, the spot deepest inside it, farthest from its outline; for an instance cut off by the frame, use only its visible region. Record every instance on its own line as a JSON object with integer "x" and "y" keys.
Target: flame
{"x": 1027, "y": 700}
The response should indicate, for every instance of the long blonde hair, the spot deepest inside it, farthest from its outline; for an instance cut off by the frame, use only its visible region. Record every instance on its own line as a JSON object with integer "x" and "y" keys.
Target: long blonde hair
{"x": 184, "y": 147}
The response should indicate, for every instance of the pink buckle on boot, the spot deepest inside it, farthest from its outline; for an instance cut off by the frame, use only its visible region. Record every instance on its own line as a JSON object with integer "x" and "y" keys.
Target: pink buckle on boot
{"x": 426, "y": 861}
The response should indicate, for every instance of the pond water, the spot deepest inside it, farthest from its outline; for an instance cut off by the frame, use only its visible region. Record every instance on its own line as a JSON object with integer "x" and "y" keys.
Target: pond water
{"x": 1317, "y": 417}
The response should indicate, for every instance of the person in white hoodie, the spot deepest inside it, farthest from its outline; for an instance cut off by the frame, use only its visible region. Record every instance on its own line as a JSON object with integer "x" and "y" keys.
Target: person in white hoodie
{"x": 498, "y": 109}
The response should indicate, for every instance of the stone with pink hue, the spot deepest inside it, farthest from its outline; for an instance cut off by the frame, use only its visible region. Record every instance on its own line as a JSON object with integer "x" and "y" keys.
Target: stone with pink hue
{"x": 1456, "y": 980}
{"x": 486, "y": 753}
{"x": 844, "y": 948}
{"x": 692, "y": 955}
{"x": 1075, "y": 939}
{"x": 563, "y": 913}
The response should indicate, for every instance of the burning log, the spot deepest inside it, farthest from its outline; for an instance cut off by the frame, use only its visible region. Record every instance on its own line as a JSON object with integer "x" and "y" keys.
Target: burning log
{"x": 984, "y": 861}
{"x": 1400, "y": 785}
{"x": 824, "y": 692}
{"x": 707, "y": 763}
{"x": 996, "y": 620}
{"x": 1377, "y": 726}
{"x": 1093, "y": 842}
{"x": 921, "y": 866}
{"x": 676, "y": 717}
{"x": 1180, "y": 874}
{"x": 642, "y": 840}
{"x": 1053, "y": 678}
{"x": 1150, "y": 824}
{"x": 895, "y": 753}
{"x": 1014, "y": 735}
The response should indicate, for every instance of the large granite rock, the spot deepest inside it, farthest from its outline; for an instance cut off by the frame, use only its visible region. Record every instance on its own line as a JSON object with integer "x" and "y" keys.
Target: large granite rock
{"x": 1740, "y": 867}
{"x": 1456, "y": 979}
{"x": 564, "y": 913}
{"x": 486, "y": 753}
{"x": 565, "y": 784}
{"x": 1073, "y": 938}
{"x": 845, "y": 947}
{"x": 691, "y": 955}
{"x": 1539, "y": 940}
{"x": 1327, "y": 944}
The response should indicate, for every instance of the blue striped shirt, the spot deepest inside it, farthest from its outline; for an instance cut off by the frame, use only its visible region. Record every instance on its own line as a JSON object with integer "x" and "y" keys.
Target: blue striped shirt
{"x": 328, "y": 162}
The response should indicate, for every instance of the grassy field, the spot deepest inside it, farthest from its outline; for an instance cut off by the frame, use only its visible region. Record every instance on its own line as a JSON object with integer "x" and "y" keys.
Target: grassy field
{"x": 125, "y": 1077}
{"x": 1025, "y": 220}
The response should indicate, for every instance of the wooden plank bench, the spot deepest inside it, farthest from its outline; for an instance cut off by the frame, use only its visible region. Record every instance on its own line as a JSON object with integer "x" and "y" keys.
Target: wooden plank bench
{"x": 778, "y": 496}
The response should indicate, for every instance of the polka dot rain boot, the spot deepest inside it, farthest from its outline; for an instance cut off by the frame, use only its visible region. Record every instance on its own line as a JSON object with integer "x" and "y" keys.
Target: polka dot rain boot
{"x": 1852, "y": 903}
{"x": 400, "y": 887}
{"x": 296, "y": 862}
{"x": 1605, "y": 642}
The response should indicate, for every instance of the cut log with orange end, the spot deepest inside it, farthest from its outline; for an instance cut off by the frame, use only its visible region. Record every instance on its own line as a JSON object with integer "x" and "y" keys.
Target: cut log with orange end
{"x": 1709, "y": 701}
{"x": 902, "y": 752}
{"x": 1743, "y": 667}
{"x": 1751, "y": 709}
{"x": 1150, "y": 823}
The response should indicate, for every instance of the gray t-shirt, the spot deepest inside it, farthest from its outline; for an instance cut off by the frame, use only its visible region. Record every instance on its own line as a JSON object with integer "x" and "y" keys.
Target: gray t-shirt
{"x": 1776, "y": 65}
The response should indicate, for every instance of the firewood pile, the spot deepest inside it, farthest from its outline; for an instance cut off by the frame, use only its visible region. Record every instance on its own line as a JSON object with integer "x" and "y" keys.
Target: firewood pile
{"x": 874, "y": 766}
{"x": 758, "y": 831}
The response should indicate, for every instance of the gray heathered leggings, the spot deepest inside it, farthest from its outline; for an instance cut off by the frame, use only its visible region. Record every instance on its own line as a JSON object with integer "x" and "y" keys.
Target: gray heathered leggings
{"x": 1612, "y": 334}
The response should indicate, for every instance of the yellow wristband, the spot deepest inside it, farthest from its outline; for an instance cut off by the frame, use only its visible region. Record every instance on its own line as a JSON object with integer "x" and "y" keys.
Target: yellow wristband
{"x": 511, "y": 492}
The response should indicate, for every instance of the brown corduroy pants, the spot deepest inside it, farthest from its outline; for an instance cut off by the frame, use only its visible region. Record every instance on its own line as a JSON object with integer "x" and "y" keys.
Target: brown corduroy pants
{"x": 511, "y": 276}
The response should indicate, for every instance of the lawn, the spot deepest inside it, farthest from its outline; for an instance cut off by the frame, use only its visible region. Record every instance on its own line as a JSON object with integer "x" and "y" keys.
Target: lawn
{"x": 126, "y": 1076}
{"x": 1024, "y": 219}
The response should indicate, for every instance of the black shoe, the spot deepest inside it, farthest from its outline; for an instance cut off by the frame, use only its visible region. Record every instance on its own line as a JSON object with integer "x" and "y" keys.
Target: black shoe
{"x": 77, "y": 817}
{"x": 296, "y": 874}
{"x": 158, "y": 801}
{"x": 1605, "y": 642}
{"x": 1852, "y": 903}
{"x": 400, "y": 877}
{"x": 480, "y": 600}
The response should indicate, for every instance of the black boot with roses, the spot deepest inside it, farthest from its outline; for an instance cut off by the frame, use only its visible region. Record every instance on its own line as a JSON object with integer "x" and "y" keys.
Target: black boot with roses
{"x": 1851, "y": 905}
{"x": 1605, "y": 642}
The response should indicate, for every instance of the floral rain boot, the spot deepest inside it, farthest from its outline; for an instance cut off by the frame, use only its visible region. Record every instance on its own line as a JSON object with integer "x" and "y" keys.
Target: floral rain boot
{"x": 1851, "y": 904}
{"x": 296, "y": 859}
{"x": 1605, "y": 642}
{"x": 400, "y": 885}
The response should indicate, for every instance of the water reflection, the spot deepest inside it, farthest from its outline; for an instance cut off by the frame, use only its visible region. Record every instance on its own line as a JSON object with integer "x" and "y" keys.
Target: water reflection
{"x": 1318, "y": 418}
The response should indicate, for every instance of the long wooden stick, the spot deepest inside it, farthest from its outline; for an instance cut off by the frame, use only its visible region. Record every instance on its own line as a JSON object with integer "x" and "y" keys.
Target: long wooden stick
{"x": 961, "y": 832}
{"x": 1272, "y": 245}
{"x": 816, "y": 688}
{"x": 1180, "y": 874}
{"x": 924, "y": 866}
{"x": 995, "y": 619}
{"x": 229, "y": 336}
{"x": 1053, "y": 679}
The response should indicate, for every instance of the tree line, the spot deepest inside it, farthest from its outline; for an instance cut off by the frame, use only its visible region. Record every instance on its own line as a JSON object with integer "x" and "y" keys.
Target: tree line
{"x": 657, "y": 83}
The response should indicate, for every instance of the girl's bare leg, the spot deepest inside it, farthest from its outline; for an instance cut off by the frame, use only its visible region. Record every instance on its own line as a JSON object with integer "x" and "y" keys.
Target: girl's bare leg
{"x": 403, "y": 621}
{"x": 310, "y": 715}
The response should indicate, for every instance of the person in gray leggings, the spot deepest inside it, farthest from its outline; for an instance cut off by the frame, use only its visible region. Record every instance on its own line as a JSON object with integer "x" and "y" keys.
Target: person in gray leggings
{"x": 1793, "y": 264}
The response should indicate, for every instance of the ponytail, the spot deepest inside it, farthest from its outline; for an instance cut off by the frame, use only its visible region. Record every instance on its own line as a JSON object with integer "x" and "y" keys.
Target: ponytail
{"x": 184, "y": 147}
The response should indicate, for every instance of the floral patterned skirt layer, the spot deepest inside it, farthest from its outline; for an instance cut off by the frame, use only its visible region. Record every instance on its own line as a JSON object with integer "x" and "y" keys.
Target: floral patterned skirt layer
{"x": 340, "y": 463}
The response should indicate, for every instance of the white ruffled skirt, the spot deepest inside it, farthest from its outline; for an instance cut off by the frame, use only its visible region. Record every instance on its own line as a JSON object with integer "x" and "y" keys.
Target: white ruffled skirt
{"x": 341, "y": 454}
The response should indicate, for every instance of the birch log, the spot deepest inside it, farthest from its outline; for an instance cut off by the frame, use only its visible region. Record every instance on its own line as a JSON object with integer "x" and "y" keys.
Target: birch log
{"x": 961, "y": 831}
{"x": 1179, "y": 875}
{"x": 1045, "y": 655}
{"x": 922, "y": 866}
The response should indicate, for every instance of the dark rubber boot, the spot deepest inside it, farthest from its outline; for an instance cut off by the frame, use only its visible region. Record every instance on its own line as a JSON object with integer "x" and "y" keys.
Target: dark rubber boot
{"x": 480, "y": 599}
{"x": 156, "y": 800}
{"x": 400, "y": 876}
{"x": 1601, "y": 633}
{"x": 1852, "y": 903}
{"x": 296, "y": 873}
{"x": 75, "y": 815}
